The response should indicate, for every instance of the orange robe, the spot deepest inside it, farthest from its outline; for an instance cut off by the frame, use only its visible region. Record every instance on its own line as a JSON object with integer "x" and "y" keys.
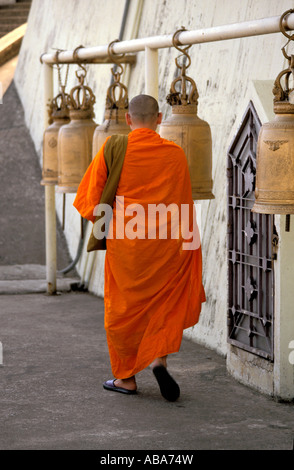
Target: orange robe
{"x": 153, "y": 288}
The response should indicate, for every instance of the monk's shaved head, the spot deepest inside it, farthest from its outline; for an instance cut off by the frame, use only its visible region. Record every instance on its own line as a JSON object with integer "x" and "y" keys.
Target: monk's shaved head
{"x": 143, "y": 112}
{"x": 143, "y": 109}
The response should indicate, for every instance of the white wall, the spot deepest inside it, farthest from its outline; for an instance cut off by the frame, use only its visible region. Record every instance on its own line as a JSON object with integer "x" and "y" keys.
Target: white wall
{"x": 223, "y": 72}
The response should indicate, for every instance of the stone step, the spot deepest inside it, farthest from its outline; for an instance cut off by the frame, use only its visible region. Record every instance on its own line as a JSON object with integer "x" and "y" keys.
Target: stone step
{"x": 31, "y": 278}
{"x": 8, "y": 27}
{"x": 32, "y": 286}
{"x": 13, "y": 19}
{"x": 13, "y": 16}
{"x": 22, "y": 272}
{"x": 16, "y": 6}
{"x": 16, "y": 12}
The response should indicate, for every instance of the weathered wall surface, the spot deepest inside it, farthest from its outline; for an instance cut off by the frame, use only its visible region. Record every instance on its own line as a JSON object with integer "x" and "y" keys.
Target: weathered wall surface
{"x": 223, "y": 72}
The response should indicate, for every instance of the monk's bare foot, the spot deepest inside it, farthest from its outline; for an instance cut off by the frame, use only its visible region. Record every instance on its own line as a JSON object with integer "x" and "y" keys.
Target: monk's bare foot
{"x": 128, "y": 384}
{"x": 159, "y": 361}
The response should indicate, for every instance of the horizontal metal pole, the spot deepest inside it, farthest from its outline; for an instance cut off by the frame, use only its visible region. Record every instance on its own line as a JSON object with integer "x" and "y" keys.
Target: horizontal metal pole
{"x": 130, "y": 59}
{"x": 216, "y": 33}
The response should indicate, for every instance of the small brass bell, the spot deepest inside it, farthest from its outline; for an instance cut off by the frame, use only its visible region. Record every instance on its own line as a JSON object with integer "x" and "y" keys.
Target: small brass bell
{"x": 75, "y": 139}
{"x": 115, "y": 108}
{"x": 274, "y": 189}
{"x": 58, "y": 116}
{"x": 193, "y": 134}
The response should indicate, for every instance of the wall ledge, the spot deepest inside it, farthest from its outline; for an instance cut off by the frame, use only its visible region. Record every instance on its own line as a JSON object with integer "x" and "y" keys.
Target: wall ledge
{"x": 11, "y": 42}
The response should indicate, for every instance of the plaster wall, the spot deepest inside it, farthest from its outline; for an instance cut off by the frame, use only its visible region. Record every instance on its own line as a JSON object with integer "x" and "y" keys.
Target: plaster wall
{"x": 223, "y": 72}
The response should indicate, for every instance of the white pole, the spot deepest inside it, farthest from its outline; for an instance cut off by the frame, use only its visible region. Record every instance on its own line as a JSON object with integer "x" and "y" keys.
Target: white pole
{"x": 151, "y": 72}
{"x": 50, "y": 214}
{"x": 283, "y": 319}
{"x": 50, "y": 224}
{"x": 215, "y": 33}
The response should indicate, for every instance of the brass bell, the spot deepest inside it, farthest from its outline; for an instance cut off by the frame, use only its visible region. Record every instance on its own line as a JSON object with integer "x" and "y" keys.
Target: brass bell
{"x": 193, "y": 134}
{"x": 114, "y": 123}
{"x": 75, "y": 139}
{"x": 274, "y": 188}
{"x": 115, "y": 110}
{"x": 58, "y": 116}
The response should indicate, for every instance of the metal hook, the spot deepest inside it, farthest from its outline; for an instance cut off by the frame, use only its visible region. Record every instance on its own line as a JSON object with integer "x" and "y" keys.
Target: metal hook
{"x": 183, "y": 51}
{"x": 41, "y": 57}
{"x": 57, "y": 52}
{"x": 114, "y": 58}
{"x": 80, "y": 74}
{"x": 284, "y": 51}
{"x": 75, "y": 54}
{"x": 282, "y": 29}
{"x": 56, "y": 56}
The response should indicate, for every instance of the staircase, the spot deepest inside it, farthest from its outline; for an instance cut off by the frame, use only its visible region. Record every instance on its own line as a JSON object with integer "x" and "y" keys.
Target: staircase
{"x": 13, "y": 15}
{"x": 13, "y": 19}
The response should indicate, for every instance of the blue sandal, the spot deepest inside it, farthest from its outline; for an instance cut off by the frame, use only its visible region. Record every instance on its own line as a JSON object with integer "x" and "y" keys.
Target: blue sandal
{"x": 109, "y": 385}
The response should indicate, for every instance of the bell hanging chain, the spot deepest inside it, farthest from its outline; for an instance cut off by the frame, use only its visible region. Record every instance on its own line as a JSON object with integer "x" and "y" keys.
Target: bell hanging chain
{"x": 112, "y": 101}
{"x": 181, "y": 98}
{"x": 281, "y": 94}
{"x": 62, "y": 87}
{"x": 81, "y": 97}
{"x": 121, "y": 102}
{"x": 287, "y": 72}
{"x": 59, "y": 102}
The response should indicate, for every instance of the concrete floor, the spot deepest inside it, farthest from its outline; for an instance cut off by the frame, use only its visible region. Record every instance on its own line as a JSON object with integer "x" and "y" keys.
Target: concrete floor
{"x": 55, "y": 360}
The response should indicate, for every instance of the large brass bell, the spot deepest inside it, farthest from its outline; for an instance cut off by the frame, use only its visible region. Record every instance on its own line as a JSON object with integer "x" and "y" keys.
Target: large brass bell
{"x": 115, "y": 109}
{"x": 274, "y": 189}
{"x": 75, "y": 139}
{"x": 58, "y": 116}
{"x": 186, "y": 129}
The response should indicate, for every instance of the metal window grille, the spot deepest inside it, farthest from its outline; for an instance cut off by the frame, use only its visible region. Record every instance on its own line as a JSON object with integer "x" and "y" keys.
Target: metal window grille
{"x": 250, "y": 243}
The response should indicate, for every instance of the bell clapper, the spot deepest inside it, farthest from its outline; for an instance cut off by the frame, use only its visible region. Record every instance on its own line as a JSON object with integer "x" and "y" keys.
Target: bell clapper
{"x": 82, "y": 228}
{"x": 63, "y": 212}
{"x": 287, "y": 225}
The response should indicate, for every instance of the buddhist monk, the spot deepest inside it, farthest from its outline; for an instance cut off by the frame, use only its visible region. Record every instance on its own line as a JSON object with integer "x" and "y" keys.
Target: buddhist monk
{"x": 153, "y": 284}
